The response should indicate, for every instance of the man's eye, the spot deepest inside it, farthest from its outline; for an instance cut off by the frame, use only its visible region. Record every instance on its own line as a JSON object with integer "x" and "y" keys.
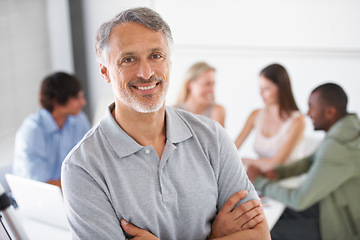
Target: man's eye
{"x": 128, "y": 60}
{"x": 156, "y": 56}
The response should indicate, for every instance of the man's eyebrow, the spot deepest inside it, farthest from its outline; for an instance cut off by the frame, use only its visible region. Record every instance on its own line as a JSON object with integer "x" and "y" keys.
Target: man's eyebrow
{"x": 125, "y": 54}
{"x": 156, "y": 49}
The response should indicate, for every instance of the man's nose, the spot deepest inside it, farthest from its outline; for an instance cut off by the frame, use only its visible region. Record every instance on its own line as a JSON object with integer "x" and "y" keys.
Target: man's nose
{"x": 145, "y": 70}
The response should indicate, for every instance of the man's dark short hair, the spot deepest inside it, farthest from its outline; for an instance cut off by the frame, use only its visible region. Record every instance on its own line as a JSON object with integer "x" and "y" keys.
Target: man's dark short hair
{"x": 58, "y": 88}
{"x": 333, "y": 95}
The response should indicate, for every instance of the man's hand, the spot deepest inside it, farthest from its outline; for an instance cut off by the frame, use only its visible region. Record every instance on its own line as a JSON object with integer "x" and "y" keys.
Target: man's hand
{"x": 271, "y": 174}
{"x": 138, "y": 233}
{"x": 253, "y": 172}
{"x": 230, "y": 220}
{"x": 55, "y": 182}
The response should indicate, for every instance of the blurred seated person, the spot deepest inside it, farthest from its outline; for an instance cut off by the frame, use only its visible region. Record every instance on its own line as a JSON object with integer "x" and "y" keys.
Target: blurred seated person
{"x": 197, "y": 93}
{"x": 279, "y": 126}
{"x": 46, "y": 137}
{"x": 326, "y": 205}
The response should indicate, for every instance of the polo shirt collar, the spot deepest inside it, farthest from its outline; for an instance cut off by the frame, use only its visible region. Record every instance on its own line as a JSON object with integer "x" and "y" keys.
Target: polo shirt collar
{"x": 176, "y": 129}
{"x": 124, "y": 145}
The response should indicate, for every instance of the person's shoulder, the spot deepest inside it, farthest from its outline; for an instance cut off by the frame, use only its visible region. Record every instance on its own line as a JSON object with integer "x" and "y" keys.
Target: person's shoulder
{"x": 33, "y": 117}
{"x": 32, "y": 122}
{"x": 89, "y": 143}
{"x": 253, "y": 115}
{"x": 202, "y": 127}
{"x": 337, "y": 150}
{"x": 297, "y": 115}
{"x": 30, "y": 130}
{"x": 205, "y": 130}
{"x": 255, "y": 112}
{"x": 193, "y": 119}
{"x": 331, "y": 151}
{"x": 297, "y": 118}
{"x": 219, "y": 108}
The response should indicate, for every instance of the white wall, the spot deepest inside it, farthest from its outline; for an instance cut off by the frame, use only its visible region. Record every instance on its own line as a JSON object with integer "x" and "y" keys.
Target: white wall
{"x": 24, "y": 60}
{"x": 317, "y": 41}
{"x": 60, "y": 36}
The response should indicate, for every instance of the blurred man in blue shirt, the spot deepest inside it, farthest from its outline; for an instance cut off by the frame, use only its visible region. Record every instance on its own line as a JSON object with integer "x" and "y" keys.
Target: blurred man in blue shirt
{"x": 46, "y": 137}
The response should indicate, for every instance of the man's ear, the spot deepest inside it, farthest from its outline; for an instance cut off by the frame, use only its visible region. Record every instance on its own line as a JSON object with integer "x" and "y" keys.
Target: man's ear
{"x": 55, "y": 103}
{"x": 104, "y": 73}
{"x": 330, "y": 112}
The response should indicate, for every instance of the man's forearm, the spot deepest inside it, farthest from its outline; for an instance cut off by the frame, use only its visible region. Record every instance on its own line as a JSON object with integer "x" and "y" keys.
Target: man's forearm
{"x": 259, "y": 232}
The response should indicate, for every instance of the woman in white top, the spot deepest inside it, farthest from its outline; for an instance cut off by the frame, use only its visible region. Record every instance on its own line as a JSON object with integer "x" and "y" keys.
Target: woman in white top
{"x": 279, "y": 126}
{"x": 197, "y": 93}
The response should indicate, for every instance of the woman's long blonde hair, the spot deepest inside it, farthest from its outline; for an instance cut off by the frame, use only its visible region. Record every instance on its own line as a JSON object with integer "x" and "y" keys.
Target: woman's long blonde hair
{"x": 195, "y": 71}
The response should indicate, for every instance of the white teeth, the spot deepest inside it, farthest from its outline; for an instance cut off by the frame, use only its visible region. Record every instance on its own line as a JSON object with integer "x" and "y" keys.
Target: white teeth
{"x": 147, "y": 88}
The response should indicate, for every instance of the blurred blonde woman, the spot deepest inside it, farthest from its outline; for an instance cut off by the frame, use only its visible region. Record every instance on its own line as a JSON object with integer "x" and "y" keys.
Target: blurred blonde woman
{"x": 278, "y": 126}
{"x": 197, "y": 93}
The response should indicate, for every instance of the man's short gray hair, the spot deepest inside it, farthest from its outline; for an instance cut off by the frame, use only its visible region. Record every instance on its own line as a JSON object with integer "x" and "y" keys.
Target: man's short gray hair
{"x": 141, "y": 15}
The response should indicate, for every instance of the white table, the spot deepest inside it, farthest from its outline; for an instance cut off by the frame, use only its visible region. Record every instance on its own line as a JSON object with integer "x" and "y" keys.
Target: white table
{"x": 36, "y": 230}
{"x": 273, "y": 210}
{"x": 41, "y": 231}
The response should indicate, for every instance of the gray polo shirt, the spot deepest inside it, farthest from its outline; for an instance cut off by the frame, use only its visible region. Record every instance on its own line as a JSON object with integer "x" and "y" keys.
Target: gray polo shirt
{"x": 109, "y": 176}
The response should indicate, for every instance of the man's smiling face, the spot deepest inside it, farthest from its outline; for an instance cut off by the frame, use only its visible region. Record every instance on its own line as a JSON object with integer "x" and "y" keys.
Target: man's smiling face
{"x": 139, "y": 67}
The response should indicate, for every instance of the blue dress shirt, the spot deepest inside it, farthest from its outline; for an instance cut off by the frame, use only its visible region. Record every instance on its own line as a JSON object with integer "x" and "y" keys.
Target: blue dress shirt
{"x": 41, "y": 147}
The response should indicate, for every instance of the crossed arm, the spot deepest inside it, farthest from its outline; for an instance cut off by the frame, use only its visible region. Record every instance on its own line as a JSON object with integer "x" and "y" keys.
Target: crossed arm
{"x": 247, "y": 221}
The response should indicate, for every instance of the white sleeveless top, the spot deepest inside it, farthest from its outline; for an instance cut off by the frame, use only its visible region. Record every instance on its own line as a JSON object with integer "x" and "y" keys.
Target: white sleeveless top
{"x": 267, "y": 147}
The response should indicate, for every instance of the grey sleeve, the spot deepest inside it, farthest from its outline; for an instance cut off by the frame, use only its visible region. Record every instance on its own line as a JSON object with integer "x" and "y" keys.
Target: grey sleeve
{"x": 232, "y": 175}
{"x": 89, "y": 217}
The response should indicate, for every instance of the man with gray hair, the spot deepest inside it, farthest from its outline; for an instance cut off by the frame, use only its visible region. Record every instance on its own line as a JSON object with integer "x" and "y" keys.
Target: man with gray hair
{"x": 148, "y": 170}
